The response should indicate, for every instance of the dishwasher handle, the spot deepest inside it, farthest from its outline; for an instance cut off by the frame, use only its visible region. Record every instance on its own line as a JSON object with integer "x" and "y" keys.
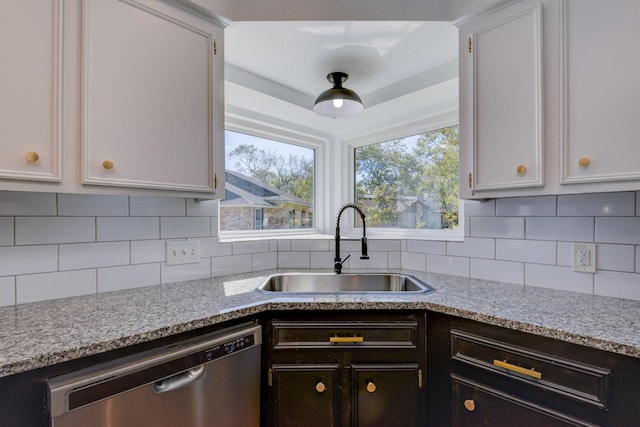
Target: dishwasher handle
{"x": 178, "y": 380}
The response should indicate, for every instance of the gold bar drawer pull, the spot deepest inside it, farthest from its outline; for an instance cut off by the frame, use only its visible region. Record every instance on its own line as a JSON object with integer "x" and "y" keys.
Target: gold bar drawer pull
{"x": 353, "y": 339}
{"x": 514, "y": 368}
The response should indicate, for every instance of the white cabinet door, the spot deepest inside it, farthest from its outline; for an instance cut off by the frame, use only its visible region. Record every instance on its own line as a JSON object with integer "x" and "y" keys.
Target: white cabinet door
{"x": 149, "y": 97}
{"x": 501, "y": 129}
{"x": 30, "y": 83}
{"x": 602, "y": 91}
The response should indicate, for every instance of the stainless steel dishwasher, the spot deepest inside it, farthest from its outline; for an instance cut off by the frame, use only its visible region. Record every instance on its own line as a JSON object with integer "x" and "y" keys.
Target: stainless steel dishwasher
{"x": 213, "y": 380}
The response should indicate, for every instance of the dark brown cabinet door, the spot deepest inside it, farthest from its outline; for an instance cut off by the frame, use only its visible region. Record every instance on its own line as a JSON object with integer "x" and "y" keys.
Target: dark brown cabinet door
{"x": 306, "y": 395}
{"x": 474, "y": 404}
{"x": 386, "y": 395}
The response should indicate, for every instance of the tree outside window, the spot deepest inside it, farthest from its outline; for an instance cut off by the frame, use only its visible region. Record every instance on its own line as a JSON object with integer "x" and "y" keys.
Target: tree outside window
{"x": 410, "y": 182}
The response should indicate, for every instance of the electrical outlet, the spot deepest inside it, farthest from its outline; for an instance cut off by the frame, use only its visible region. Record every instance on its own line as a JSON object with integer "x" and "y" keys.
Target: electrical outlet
{"x": 584, "y": 257}
{"x": 183, "y": 252}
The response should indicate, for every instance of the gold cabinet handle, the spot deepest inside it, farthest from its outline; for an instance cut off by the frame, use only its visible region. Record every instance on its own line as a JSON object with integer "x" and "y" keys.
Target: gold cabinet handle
{"x": 519, "y": 369}
{"x": 352, "y": 339}
{"x": 371, "y": 387}
{"x": 107, "y": 164}
{"x": 320, "y": 387}
{"x": 584, "y": 162}
{"x": 521, "y": 170}
{"x": 31, "y": 157}
{"x": 470, "y": 405}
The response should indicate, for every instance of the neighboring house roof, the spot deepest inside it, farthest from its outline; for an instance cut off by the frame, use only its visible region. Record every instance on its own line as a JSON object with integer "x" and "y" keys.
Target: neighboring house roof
{"x": 244, "y": 191}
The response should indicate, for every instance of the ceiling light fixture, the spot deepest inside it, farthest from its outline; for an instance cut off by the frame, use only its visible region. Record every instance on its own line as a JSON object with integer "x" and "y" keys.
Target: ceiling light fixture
{"x": 338, "y": 101}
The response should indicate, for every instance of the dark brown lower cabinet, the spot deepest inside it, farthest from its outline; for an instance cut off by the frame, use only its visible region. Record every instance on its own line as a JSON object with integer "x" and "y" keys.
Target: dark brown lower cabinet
{"x": 484, "y": 375}
{"x": 337, "y": 369}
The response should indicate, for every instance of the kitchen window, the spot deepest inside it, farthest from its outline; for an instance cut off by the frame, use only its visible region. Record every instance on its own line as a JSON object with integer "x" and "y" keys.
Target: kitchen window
{"x": 270, "y": 186}
{"x": 408, "y": 186}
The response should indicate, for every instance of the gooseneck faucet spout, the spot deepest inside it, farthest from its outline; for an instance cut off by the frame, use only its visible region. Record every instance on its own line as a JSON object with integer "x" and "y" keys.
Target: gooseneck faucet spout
{"x": 337, "y": 261}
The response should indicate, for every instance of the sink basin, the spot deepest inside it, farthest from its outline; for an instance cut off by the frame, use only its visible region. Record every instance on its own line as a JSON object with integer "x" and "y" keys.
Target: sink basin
{"x": 365, "y": 283}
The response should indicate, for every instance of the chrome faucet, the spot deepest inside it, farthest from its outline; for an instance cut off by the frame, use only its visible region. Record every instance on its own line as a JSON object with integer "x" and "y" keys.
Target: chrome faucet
{"x": 337, "y": 261}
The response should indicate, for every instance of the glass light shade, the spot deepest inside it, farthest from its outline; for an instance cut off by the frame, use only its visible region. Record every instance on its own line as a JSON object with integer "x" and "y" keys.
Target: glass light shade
{"x": 338, "y": 101}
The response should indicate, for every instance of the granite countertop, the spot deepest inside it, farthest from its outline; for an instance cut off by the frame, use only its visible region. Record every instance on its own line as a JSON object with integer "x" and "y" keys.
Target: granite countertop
{"x": 40, "y": 334}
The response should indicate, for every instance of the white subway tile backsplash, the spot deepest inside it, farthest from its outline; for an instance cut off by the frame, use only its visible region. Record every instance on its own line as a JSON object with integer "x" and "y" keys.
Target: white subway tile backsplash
{"x": 315, "y": 245}
{"x": 119, "y": 242}
{"x": 413, "y": 261}
{"x": 575, "y": 229}
{"x": 202, "y": 208}
{"x": 181, "y": 227}
{"x": 535, "y": 251}
{"x": 526, "y": 206}
{"x": 27, "y": 204}
{"x": 78, "y": 256}
{"x": 617, "y": 284}
{"x": 473, "y": 247}
{"x": 210, "y": 247}
{"x": 128, "y": 277}
{"x": 6, "y": 231}
{"x": 46, "y": 286}
{"x": 258, "y": 246}
{"x": 28, "y": 259}
{"x": 555, "y": 277}
{"x": 146, "y": 251}
{"x": 127, "y": 228}
{"x": 427, "y": 247}
{"x": 7, "y": 291}
{"x": 600, "y": 204}
{"x": 475, "y": 208}
{"x": 565, "y": 254}
{"x": 182, "y": 272}
{"x": 394, "y": 260}
{"x": 222, "y": 266}
{"x": 294, "y": 260}
{"x": 501, "y": 271}
{"x": 377, "y": 260}
{"x": 157, "y": 206}
{"x": 618, "y": 230}
{"x": 455, "y": 266}
{"x": 502, "y": 227}
{"x": 264, "y": 261}
{"x": 44, "y": 230}
{"x": 615, "y": 257}
{"x": 92, "y": 205}
{"x": 321, "y": 259}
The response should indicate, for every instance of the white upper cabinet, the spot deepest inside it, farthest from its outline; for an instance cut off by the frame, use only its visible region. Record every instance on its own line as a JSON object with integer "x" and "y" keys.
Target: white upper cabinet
{"x": 501, "y": 55}
{"x": 602, "y": 91}
{"x": 126, "y": 95}
{"x": 550, "y": 98}
{"x": 148, "y": 92}
{"x": 30, "y": 84}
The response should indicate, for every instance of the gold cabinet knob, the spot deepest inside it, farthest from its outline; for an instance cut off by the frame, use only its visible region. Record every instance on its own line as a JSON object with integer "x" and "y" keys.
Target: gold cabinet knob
{"x": 584, "y": 162}
{"x": 521, "y": 169}
{"x": 107, "y": 164}
{"x": 320, "y": 387}
{"x": 371, "y": 387}
{"x": 31, "y": 157}
{"x": 470, "y": 405}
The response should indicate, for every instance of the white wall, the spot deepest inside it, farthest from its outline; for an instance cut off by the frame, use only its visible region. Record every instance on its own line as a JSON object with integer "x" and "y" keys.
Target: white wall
{"x": 59, "y": 245}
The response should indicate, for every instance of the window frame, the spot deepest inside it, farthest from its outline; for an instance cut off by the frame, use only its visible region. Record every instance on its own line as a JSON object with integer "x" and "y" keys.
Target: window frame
{"x": 444, "y": 120}
{"x": 263, "y": 129}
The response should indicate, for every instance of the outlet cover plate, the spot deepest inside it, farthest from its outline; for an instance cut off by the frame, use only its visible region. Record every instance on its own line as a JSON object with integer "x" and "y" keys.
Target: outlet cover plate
{"x": 584, "y": 257}
{"x": 183, "y": 252}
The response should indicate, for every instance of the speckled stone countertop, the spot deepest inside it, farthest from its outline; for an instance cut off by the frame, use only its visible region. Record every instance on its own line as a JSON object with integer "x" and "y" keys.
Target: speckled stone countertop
{"x": 41, "y": 334}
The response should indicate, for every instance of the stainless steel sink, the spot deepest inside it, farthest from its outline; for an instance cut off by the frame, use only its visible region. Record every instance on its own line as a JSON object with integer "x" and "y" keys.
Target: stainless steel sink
{"x": 365, "y": 283}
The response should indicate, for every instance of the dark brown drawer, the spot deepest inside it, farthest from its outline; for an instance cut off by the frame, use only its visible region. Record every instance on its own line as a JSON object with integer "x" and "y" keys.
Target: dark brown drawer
{"x": 586, "y": 383}
{"x": 329, "y": 335}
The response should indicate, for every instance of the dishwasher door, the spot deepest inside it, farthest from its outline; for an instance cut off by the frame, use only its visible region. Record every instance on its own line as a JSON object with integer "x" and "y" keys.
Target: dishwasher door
{"x": 213, "y": 380}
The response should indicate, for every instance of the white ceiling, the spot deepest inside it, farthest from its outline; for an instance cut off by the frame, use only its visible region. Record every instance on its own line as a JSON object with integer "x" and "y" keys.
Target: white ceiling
{"x": 402, "y": 70}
